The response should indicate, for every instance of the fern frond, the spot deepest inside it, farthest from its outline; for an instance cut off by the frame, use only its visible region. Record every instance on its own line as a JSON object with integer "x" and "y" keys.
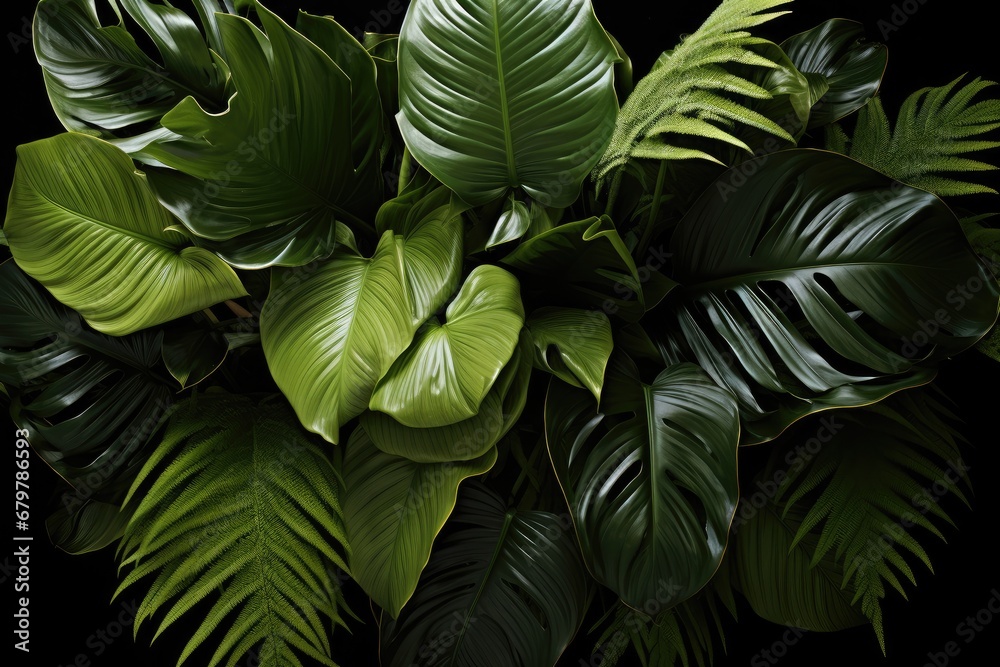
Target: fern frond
{"x": 242, "y": 509}
{"x": 883, "y": 474}
{"x": 684, "y": 634}
{"x": 933, "y": 135}
{"x": 689, "y": 92}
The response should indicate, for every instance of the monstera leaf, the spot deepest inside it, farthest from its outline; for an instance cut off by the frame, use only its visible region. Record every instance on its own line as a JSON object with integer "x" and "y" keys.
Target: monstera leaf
{"x": 650, "y": 480}
{"x": 90, "y": 401}
{"x": 85, "y": 225}
{"x": 99, "y": 80}
{"x": 394, "y": 509}
{"x": 444, "y": 376}
{"x": 330, "y": 336}
{"x": 819, "y": 283}
{"x": 834, "y": 56}
{"x": 500, "y": 95}
{"x": 504, "y": 584}
{"x": 274, "y": 179}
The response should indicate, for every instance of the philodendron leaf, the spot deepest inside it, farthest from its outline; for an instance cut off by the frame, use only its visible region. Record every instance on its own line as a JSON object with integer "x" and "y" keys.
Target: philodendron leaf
{"x": 650, "y": 480}
{"x": 819, "y": 283}
{"x": 470, "y": 438}
{"x": 504, "y": 586}
{"x": 91, "y": 401}
{"x": 586, "y": 263}
{"x": 274, "y": 178}
{"x": 449, "y": 369}
{"x": 393, "y": 511}
{"x": 572, "y": 344}
{"x": 330, "y": 335}
{"x": 100, "y": 81}
{"x": 85, "y": 225}
{"x": 428, "y": 219}
{"x": 500, "y": 95}
{"x": 835, "y": 55}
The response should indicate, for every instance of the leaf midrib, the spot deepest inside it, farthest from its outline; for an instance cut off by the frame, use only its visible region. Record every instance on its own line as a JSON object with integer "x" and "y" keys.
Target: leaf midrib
{"x": 504, "y": 106}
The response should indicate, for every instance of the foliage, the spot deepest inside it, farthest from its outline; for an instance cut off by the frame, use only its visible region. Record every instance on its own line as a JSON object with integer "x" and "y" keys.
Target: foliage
{"x": 461, "y": 325}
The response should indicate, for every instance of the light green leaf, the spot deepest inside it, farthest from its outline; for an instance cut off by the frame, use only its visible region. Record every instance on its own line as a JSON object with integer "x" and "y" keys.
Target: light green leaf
{"x": 393, "y": 509}
{"x": 572, "y": 344}
{"x": 330, "y": 335}
{"x": 448, "y": 370}
{"x": 274, "y": 178}
{"x": 467, "y": 439}
{"x": 500, "y": 95}
{"x": 85, "y": 225}
{"x": 650, "y": 479}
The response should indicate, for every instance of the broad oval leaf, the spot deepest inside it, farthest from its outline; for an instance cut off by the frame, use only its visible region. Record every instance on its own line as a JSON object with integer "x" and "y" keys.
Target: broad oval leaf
{"x": 835, "y": 54}
{"x": 273, "y": 541}
{"x": 572, "y": 344}
{"x": 465, "y": 440}
{"x": 91, "y": 401}
{"x": 449, "y": 369}
{"x": 331, "y": 333}
{"x": 88, "y": 526}
{"x": 504, "y": 584}
{"x": 192, "y": 354}
{"x": 99, "y": 80}
{"x": 819, "y": 283}
{"x": 499, "y": 95}
{"x": 393, "y": 511}
{"x": 651, "y": 480}
{"x": 85, "y": 225}
{"x": 274, "y": 178}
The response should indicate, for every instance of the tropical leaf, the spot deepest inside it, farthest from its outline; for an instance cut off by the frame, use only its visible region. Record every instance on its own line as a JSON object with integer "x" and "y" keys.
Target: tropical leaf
{"x": 88, "y": 526}
{"x": 986, "y": 242}
{"x": 934, "y": 133}
{"x": 590, "y": 259}
{"x": 522, "y": 93}
{"x": 330, "y": 334}
{"x": 273, "y": 541}
{"x": 99, "y": 80}
{"x": 82, "y": 223}
{"x": 819, "y": 283}
{"x": 469, "y": 439}
{"x": 864, "y": 492}
{"x": 834, "y": 56}
{"x": 572, "y": 344}
{"x": 690, "y": 93}
{"x": 504, "y": 586}
{"x": 192, "y": 354}
{"x": 91, "y": 401}
{"x": 274, "y": 178}
{"x": 449, "y": 369}
{"x": 394, "y": 508}
{"x": 650, "y": 480}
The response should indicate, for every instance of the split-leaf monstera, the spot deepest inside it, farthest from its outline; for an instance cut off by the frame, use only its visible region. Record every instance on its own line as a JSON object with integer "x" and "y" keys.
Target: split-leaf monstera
{"x": 465, "y": 327}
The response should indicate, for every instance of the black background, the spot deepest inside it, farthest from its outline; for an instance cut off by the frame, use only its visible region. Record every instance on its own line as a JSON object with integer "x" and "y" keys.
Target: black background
{"x": 939, "y": 40}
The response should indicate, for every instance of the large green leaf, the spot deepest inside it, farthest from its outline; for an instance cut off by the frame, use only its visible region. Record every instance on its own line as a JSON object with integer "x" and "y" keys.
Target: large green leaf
{"x": 238, "y": 497}
{"x": 90, "y": 401}
{"x": 85, "y": 225}
{"x": 88, "y": 526}
{"x": 449, "y": 369}
{"x": 591, "y": 266}
{"x": 330, "y": 334}
{"x": 572, "y": 344}
{"x": 274, "y": 178}
{"x": 393, "y": 510}
{"x": 470, "y": 438}
{"x": 650, "y": 480}
{"x": 503, "y": 588}
{"x": 819, "y": 283}
{"x": 834, "y": 55}
{"x": 100, "y": 81}
{"x": 499, "y": 95}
